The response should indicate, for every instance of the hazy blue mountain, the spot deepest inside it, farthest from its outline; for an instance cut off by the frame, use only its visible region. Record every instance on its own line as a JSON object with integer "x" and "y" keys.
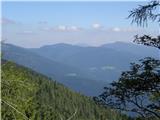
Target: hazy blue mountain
{"x": 84, "y": 69}
{"x": 69, "y": 76}
{"x": 36, "y": 62}
{"x": 58, "y": 51}
{"x": 136, "y": 49}
{"x": 103, "y": 63}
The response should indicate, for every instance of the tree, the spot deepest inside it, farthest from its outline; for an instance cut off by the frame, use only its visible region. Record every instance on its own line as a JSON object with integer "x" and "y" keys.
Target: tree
{"x": 143, "y": 13}
{"x": 148, "y": 40}
{"x": 138, "y": 90}
{"x": 140, "y": 16}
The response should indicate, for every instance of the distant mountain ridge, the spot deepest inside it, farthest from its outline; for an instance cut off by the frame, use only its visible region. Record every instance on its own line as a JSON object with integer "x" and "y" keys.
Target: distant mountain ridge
{"x": 53, "y": 69}
{"x": 84, "y": 69}
{"x": 96, "y": 60}
{"x": 133, "y": 48}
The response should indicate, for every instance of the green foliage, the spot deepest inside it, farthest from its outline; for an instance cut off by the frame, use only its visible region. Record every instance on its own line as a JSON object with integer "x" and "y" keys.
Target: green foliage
{"x": 27, "y": 95}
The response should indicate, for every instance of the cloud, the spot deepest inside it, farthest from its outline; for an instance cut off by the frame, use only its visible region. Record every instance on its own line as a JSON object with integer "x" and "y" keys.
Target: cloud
{"x": 7, "y": 21}
{"x": 62, "y": 28}
{"x": 116, "y": 29}
{"x": 41, "y": 35}
{"x": 26, "y": 32}
{"x": 71, "y": 74}
{"x": 74, "y": 28}
{"x": 67, "y": 28}
{"x": 97, "y": 26}
{"x": 127, "y": 29}
{"x": 107, "y": 67}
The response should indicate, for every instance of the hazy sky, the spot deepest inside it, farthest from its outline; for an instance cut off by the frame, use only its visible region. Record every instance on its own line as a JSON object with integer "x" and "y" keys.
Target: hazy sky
{"x": 33, "y": 24}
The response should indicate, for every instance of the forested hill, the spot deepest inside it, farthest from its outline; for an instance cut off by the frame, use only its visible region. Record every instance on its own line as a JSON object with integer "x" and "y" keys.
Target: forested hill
{"x": 31, "y": 96}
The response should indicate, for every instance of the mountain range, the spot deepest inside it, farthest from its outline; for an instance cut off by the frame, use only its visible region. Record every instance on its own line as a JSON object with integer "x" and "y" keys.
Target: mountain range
{"x": 84, "y": 69}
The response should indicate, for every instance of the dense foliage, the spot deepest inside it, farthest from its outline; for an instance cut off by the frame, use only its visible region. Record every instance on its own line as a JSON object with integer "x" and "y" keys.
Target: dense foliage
{"x": 32, "y": 96}
{"x": 137, "y": 90}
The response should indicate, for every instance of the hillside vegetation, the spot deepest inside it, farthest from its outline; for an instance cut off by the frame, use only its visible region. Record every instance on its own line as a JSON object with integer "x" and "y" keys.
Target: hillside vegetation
{"x": 56, "y": 70}
{"x": 31, "y": 96}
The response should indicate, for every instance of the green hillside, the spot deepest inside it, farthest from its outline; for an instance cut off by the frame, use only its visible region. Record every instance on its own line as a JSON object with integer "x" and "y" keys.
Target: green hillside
{"x": 56, "y": 70}
{"x": 27, "y": 95}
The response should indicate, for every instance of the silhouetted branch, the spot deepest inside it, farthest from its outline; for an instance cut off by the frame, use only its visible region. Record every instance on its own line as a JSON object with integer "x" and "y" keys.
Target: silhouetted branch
{"x": 148, "y": 41}
{"x": 142, "y": 14}
{"x": 135, "y": 88}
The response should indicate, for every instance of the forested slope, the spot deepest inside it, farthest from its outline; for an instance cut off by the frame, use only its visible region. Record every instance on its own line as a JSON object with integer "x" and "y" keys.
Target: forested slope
{"x": 32, "y": 96}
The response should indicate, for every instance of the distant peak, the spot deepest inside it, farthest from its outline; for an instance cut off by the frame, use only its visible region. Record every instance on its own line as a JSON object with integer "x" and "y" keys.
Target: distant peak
{"x": 118, "y": 43}
{"x": 57, "y": 45}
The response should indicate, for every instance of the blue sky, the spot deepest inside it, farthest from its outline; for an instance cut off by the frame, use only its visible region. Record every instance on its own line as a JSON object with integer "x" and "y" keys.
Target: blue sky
{"x": 86, "y": 18}
{"x": 78, "y": 13}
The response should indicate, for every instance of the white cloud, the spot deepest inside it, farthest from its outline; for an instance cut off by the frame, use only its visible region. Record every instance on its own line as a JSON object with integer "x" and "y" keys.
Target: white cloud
{"x": 67, "y": 28}
{"x": 116, "y": 29}
{"x": 126, "y": 29}
{"x": 62, "y": 27}
{"x": 97, "y": 26}
{"x": 107, "y": 67}
{"x": 71, "y": 34}
{"x": 71, "y": 74}
{"x": 73, "y": 28}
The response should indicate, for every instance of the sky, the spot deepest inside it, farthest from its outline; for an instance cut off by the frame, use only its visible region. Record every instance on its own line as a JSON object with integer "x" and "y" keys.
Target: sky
{"x": 34, "y": 24}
